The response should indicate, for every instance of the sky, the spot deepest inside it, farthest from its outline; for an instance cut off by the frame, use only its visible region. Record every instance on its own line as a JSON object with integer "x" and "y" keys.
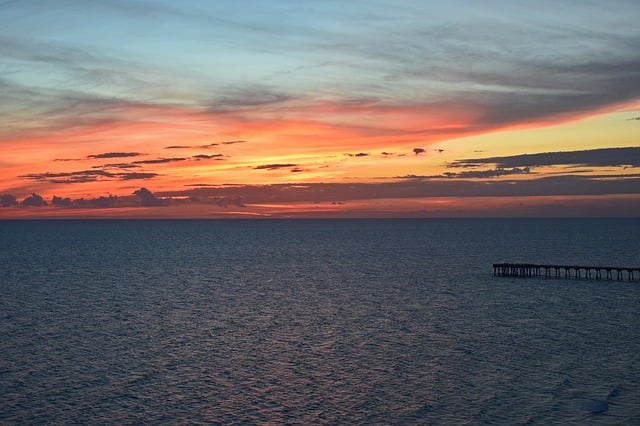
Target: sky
{"x": 130, "y": 108}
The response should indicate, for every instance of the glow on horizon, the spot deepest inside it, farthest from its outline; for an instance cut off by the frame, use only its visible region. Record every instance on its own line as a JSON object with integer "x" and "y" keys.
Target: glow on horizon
{"x": 112, "y": 96}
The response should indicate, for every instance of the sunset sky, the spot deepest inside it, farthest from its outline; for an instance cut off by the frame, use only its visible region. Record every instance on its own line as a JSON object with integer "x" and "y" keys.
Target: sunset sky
{"x": 319, "y": 109}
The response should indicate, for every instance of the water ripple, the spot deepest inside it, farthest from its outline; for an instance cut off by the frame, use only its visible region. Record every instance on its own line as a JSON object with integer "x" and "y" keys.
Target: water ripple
{"x": 311, "y": 322}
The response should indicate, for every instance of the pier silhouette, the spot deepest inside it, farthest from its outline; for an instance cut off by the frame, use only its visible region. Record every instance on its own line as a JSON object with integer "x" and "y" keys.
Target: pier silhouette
{"x": 612, "y": 273}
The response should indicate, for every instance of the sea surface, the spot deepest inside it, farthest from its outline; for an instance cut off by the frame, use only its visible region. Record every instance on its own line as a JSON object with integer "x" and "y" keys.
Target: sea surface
{"x": 336, "y": 322}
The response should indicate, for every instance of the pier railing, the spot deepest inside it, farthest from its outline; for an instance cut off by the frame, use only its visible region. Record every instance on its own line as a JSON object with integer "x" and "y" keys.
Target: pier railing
{"x": 566, "y": 271}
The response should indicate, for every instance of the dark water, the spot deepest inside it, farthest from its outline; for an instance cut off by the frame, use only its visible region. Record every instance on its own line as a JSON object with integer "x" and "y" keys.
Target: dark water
{"x": 315, "y": 322}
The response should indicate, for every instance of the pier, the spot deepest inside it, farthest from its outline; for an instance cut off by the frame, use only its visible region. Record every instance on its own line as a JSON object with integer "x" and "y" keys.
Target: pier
{"x": 611, "y": 273}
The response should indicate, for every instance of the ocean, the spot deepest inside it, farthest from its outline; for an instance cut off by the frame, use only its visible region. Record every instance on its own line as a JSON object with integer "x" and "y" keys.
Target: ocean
{"x": 245, "y": 322}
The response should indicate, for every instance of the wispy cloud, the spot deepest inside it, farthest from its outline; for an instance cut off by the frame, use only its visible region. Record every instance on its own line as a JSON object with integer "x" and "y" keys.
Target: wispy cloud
{"x": 248, "y": 98}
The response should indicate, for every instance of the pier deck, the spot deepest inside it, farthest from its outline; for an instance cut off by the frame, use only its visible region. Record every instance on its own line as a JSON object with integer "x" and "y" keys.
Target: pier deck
{"x": 611, "y": 273}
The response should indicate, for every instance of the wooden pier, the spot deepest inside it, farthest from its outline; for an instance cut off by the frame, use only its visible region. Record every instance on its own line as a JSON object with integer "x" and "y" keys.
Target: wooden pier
{"x": 611, "y": 273}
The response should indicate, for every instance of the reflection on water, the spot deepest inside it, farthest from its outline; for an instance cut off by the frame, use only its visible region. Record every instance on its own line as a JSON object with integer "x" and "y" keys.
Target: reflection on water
{"x": 324, "y": 322}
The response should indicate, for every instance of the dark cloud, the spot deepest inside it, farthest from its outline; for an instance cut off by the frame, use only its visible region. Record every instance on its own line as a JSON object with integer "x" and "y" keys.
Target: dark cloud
{"x": 141, "y": 197}
{"x": 70, "y": 177}
{"x": 420, "y": 186}
{"x": 483, "y": 174}
{"x": 208, "y": 157}
{"x": 274, "y": 166}
{"x": 7, "y": 200}
{"x": 118, "y": 166}
{"x": 209, "y": 145}
{"x": 634, "y": 119}
{"x": 523, "y": 81}
{"x": 160, "y": 160}
{"x": 96, "y": 203}
{"x": 115, "y": 155}
{"x": 34, "y": 200}
{"x": 417, "y": 151}
{"x": 75, "y": 179}
{"x": 220, "y": 201}
{"x": 600, "y": 85}
{"x": 102, "y": 202}
{"x": 84, "y": 176}
{"x": 610, "y": 176}
{"x": 136, "y": 176}
{"x": 297, "y": 170}
{"x": 147, "y": 199}
{"x": 587, "y": 158}
{"x": 510, "y": 75}
{"x": 61, "y": 202}
{"x": 360, "y": 154}
{"x": 411, "y": 186}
